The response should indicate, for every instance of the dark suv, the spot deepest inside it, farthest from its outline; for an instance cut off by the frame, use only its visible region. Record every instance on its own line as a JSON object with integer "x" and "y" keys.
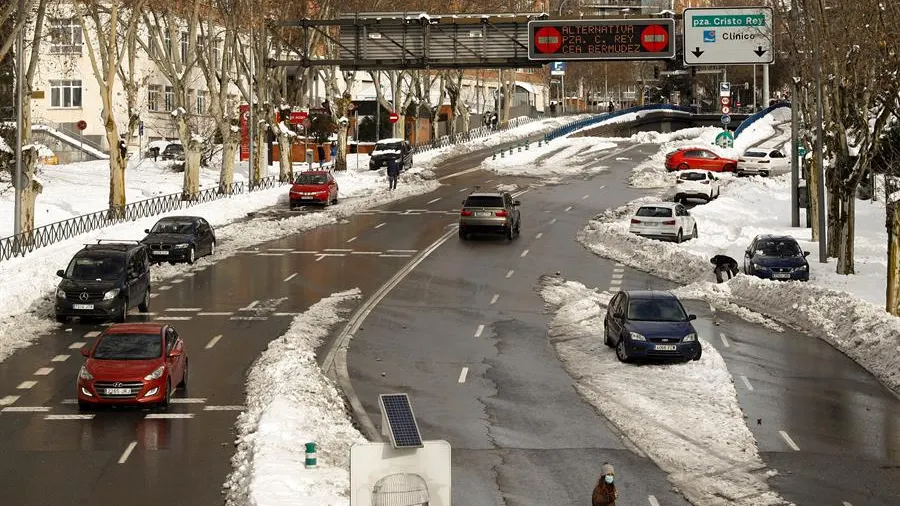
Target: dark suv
{"x": 386, "y": 149}
{"x": 104, "y": 280}
{"x": 489, "y": 212}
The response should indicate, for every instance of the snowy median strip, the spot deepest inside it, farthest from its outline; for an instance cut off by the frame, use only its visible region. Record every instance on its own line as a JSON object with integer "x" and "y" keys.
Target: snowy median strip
{"x": 290, "y": 402}
{"x": 685, "y": 417}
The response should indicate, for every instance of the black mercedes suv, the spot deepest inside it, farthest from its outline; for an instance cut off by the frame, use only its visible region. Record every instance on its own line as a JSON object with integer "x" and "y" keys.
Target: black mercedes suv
{"x": 104, "y": 280}
{"x": 387, "y": 149}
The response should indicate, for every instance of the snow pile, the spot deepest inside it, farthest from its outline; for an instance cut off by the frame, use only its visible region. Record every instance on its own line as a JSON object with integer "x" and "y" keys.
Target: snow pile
{"x": 561, "y": 157}
{"x": 290, "y": 402}
{"x": 685, "y": 417}
{"x": 845, "y": 310}
{"x": 5, "y": 147}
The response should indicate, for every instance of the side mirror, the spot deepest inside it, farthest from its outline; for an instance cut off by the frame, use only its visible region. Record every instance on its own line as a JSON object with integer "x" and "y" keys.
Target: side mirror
{"x": 517, "y": 203}
{"x": 463, "y": 202}
{"x": 747, "y": 253}
{"x": 176, "y": 352}
{"x": 146, "y": 230}
{"x": 86, "y": 351}
{"x": 692, "y": 317}
{"x": 805, "y": 254}
{"x": 61, "y": 273}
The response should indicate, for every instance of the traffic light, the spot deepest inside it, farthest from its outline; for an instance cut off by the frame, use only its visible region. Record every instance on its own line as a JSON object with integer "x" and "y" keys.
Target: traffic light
{"x": 655, "y": 72}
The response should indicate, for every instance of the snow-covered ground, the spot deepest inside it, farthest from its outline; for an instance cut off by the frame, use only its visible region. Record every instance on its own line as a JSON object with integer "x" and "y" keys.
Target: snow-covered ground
{"x": 565, "y": 156}
{"x": 685, "y": 417}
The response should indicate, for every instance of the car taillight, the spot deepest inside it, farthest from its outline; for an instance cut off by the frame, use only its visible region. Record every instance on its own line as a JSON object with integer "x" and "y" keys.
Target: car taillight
{"x": 669, "y": 222}
{"x": 501, "y": 214}
{"x": 635, "y": 220}
{"x": 465, "y": 212}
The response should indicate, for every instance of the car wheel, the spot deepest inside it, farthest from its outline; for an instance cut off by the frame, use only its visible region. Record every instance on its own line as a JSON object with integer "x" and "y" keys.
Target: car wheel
{"x": 62, "y": 319}
{"x": 621, "y": 352}
{"x": 191, "y": 256}
{"x": 144, "y": 306}
{"x": 212, "y": 248}
{"x": 463, "y": 234}
{"x": 123, "y": 312}
{"x": 698, "y": 355}
{"x": 509, "y": 233}
{"x": 729, "y": 168}
{"x": 168, "y": 397}
{"x": 518, "y": 228}
{"x": 606, "y": 340}
{"x": 683, "y": 166}
{"x": 764, "y": 174}
{"x": 84, "y": 406}
{"x": 680, "y": 237}
{"x": 184, "y": 380}
{"x": 694, "y": 234}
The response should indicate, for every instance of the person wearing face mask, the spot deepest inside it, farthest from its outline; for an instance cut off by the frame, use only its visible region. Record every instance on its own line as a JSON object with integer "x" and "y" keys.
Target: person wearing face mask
{"x": 605, "y": 493}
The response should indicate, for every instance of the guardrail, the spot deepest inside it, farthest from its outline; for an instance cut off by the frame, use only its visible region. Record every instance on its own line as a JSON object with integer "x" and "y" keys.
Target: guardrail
{"x": 475, "y": 133}
{"x": 582, "y": 123}
{"x": 26, "y": 242}
{"x": 753, "y": 118}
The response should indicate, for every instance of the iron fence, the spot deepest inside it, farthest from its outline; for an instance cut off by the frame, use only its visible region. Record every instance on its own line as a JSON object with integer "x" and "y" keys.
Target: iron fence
{"x": 756, "y": 116}
{"x": 475, "y": 133}
{"x": 26, "y": 242}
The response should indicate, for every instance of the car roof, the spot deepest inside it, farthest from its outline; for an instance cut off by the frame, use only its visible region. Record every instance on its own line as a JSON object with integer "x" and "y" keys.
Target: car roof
{"x": 179, "y": 218}
{"x": 312, "y": 172}
{"x": 135, "y": 328}
{"x": 390, "y": 140}
{"x": 119, "y": 247}
{"x": 661, "y": 204}
{"x": 486, "y": 194}
{"x": 776, "y": 237}
{"x": 649, "y": 294}
{"x": 693, "y": 171}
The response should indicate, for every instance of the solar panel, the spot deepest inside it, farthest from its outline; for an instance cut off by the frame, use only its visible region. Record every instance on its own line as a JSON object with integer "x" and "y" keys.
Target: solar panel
{"x": 399, "y": 422}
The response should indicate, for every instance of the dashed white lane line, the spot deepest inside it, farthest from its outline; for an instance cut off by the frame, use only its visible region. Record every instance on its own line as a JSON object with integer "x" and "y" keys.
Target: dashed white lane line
{"x": 164, "y": 287}
{"x": 292, "y": 276}
{"x": 93, "y": 333}
{"x": 614, "y": 282}
{"x": 9, "y": 399}
{"x": 489, "y": 181}
{"x": 282, "y": 250}
{"x": 618, "y": 275}
{"x": 81, "y": 416}
{"x": 401, "y": 251}
{"x": 479, "y": 330}
{"x": 76, "y": 345}
{"x": 724, "y": 340}
{"x": 380, "y": 225}
{"x": 365, "y": 253}
{"x": 619, "y": 264}
{"x": 188, "y": 400}
{"x": 395, "y": 255}
{"x": 553, "y": 221}
{"x": 747, "y": 383}
{"x": 268, "y": 255}
{"x": 464, "y": 189}
{"x": 320, "y": 256}
{"x": 168, "y": 416}
{"x": 250, "y": 306}
{"x": 539, "y": 235}
{"x": 25, "y": 409}
{"x": 224, "y": 408}
{"x": 154, "y": 295}
{"x": 845, "y": 503}
{"x": 337, "y": 250}
{"x": 174, "y": 318}
{"x": 568, "y": 209}
{"x": 352, "y": 239}
{"x": 249, "y": 318}
{"x": 184, "y": 309}
{"x": 60, "y": 358}
{"x": 586, "y": 196}
{"x": 212, "y": 342}
{"x": 432, "y": 201}
{"x": 176, "y": 281}
{"x": 285, "y": 314}
{"x": 216, "y": 313}
{"x": 509, "y": 274}
{"x": 494, "y": 298}
{"x": 304, "y": 252}
{"x": 789, "y": 441}
{"x": 43, "y": 371}
{"x": 524, "y": 254}
{"x": 127, "y": 452}
{"x": 652, "y": 500}
{"x": 463, "y": 374}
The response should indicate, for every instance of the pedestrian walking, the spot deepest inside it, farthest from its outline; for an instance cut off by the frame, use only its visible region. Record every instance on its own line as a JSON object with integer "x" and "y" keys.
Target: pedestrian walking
{"x": 123, "y": 148}
{"x": 611, "y": 107}
{"x": 393, "y": 173}
{"x": 725, "y": 266}
{"x": 605, "y": 493}
{"x": 321, "y": 152}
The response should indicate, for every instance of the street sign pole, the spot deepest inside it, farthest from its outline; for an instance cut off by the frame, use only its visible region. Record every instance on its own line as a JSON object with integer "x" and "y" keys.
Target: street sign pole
{"x": 20, "y": 104}
{"x": 820, "y": 155}
{"x": 795, "y": 167}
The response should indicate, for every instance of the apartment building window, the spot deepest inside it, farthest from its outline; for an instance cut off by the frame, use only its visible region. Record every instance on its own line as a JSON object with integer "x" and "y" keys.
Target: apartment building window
{"x": 201, "y": 101}
{"x": 65, "y": 36}
{"x": 170, "y": 98}
{"x": 185, "y": 44}
{"x": 65, "y": 93}
{"x": 153, "y": 97}
{"x": 167, "y": 39}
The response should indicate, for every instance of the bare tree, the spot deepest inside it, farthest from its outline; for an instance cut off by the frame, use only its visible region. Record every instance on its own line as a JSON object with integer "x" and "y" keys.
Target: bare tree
{"x": 9, "y": 12}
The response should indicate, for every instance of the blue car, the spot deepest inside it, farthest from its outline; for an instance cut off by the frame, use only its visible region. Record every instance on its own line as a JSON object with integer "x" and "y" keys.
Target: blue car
{"x": 776, "y": 257}
{"x": 650, "y": 324}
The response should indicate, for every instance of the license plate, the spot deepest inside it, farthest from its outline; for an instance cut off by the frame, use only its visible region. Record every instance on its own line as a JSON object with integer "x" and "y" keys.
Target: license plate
{"x": 483, "y": 213}
{"x": 665, "y": 347}
{"x": 651, "y": 224}
{"x": 118, "y": 391}
{"x": 82, "y": 306}
{"x": 306, "y": 197}
{"x": 161, "y": 253}
{"x": 781, "y": 275}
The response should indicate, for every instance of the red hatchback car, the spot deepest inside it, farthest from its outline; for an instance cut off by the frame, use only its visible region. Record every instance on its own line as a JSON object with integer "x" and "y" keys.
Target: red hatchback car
{"x": 699, "y": 158}
{"x": 133, "y": 364}
{"x": 314, "y": 187}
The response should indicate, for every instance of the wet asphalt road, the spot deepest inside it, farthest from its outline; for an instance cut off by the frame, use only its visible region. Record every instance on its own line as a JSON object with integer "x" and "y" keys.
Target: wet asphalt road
{"x": 520, "y": 433}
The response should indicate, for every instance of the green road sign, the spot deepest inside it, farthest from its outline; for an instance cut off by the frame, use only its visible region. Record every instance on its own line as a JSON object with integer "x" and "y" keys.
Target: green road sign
{"x": 801, "y": 151}
{"x": 725, "y": 139}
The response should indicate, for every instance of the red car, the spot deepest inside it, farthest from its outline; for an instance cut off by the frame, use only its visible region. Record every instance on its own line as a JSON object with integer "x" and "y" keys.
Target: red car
{"x": 314, "y": 187}
{"x": 133, "y": 364}
{"x": 699, "y": 158}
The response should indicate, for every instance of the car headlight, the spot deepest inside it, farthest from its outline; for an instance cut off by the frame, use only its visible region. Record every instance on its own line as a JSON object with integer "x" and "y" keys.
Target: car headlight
{"x": 84, "y": 374}
{"x": 760, "y": 267}
{"x": 110, "y": 295}
{"x": 183, "y": 245}
{"x": 60, "y": 294}
{"x": 156, "y": 374}
{"x": 690, "y": 338}
{"x": 802, "y": 268}
{"x": 636, "y": 337}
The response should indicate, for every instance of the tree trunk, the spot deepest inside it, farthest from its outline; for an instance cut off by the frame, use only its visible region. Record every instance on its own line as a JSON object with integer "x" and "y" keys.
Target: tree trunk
{"x": 812, "y": 182}
{"x": 192, "y": 148}
{"x": 285, "y": 165}
{"x": 340, "y": 162}
{"x": 893, "y": 265}
{"x": 30, "y": 188}
{"x": 259, "y": 169}
{"x": 847, "y": 231}
{"x": 835, "y": 213}
{"x": 116, "y": 165}
{"x": 226, "y": 175}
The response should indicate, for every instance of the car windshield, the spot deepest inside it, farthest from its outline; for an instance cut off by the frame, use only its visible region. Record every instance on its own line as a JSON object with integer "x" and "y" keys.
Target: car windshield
{"x": 656, "y": 310}
{"x": 655, "y": 212}
{"x": 98, "y": 268}
{"x": 692, "y": 176}
{"x": 484, "y": 201}
{"x": 387, "y": 146}
{"x": 173, "y": 227}
{"x": 174, "y": 147}
{"x": 311, "y": 179}
{"x": 779, "y": 248}
{"x": 755, "y": 154}
{"x": 128, "y": 347}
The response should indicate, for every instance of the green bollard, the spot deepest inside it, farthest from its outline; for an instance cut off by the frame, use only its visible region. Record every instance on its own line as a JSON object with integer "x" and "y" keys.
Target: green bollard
{"x": 502, "y": 154}
{"x": 495, "y": 156}
{"x": 310, "y": 456}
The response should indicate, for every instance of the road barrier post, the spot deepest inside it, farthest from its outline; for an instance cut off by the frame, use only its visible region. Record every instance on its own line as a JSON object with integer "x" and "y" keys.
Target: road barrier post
{"x": 310, "y": 455}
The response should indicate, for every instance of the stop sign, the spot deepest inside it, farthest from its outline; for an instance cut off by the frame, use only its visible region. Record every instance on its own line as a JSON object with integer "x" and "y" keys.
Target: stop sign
{"x": 654, "y": 38}
{"x": 547, "y": 39}
{"x": 393, "y": 117}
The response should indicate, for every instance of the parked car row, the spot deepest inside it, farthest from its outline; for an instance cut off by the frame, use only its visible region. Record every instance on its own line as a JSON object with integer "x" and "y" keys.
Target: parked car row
{"x": 754, "y": 162}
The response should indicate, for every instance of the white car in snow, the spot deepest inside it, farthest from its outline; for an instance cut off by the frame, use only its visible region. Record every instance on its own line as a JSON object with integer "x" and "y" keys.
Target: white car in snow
{"x": 763, "y": 162}
{"x": 664, "y": 220}
{"x": 696, "y": 184}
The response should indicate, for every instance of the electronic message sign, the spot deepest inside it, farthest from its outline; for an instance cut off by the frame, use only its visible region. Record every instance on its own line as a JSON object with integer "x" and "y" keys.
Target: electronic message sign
{"x": 601, "y": 39}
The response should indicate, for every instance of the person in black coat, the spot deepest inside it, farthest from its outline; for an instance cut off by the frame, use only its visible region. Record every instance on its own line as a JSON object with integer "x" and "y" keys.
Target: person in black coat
{"x": 393, "y": 173}
{"x": 725, "y": 265}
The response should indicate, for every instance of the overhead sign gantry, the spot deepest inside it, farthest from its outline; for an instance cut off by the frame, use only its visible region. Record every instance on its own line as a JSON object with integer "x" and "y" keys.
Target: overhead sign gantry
{"x": 601, "y": 39}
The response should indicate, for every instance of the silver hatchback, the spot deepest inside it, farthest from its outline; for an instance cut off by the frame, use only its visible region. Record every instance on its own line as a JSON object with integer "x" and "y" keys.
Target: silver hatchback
{"x": 491, "y": 212}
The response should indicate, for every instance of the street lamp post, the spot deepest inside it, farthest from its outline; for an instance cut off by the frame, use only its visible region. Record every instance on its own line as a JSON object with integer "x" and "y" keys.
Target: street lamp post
{"x": 20, "y": 119}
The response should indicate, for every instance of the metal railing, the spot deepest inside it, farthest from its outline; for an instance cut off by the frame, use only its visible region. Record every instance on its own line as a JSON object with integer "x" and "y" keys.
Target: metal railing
{"x": 757, "y": 115}
{"x": 26, "y": 242}
{"x": 68, "y": 132}
{"x": 475, "y": 133}
{"x": 582, "y": 123}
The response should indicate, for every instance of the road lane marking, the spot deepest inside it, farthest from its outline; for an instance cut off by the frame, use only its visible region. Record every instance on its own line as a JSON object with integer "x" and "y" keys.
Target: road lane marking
{"x": 60, "y": 358}
{"x": 724, "y": 339}
{"x": 615, "y": 282}
{"x": 553, "y": 221}
{"x": 249, "y": 318}
{"x": 25, "y": 409}
{"x": 250, "y": 306}
{"x": 365, "y": 252}
{"x": 127, "y": 452}
{"x": 509, "y": 274}
{"x": 285, "y": 314}
{"x": 43, "y": 371}
{"x": 845, "y": 503}
{"x": 494, "y": 298}
{"x": 711, "y": 308}
{"x": 176, "y": 281}
{"x": 652, "y": 500}
{"x": 9, "y": 399}
{"x": 154, "y": 295}
{"x": 747, "y": 383}
{"x": 212, "y": 342}
{"x": 93, "y": 333}
{"x": 464, "y": 189}
{"x": 292, "y": 276}
{"x": 224, "y": 408}
{"x": 618, "y": 275}
{"x": 602, "y": 187}
{"x": 462, "y": 375}
{"x": 304, "y": 252}
{"x": 168, "y": 416}
{"x": 614, "y": 289}
{"x": 184, "y": 309}
{"x": 615, "y": 153}
{"x": 789, "y": 441}
{"x": 188, "y": 400}
{"x": 165, "y": 287}
{"x": 69, "y": 401}
{"x": 320, "y": 256}
{"x": 539, "y": 235}
{"x": 282, "y": 250}
{"x": 524, "y": 253}
{"x": 619, "y": 264}
{"x": 263, "y": 255}
{"x": 174, "y": 318}
{"x": 586, "y": 196}
{"x": 568, "y": 208}
{"x": 395, "y": 255}
{"x": 352, "y": 239}
{"x": 216, "y": 313}
{"x": 81, "y": 416}
{"x": 432, "y": 201}
{"x": 337, "y": 250}
{"x": 380, "y": 225}
{"x": 76, "y": 345}
{"x": 479, "y": 330}
{"x": 401, "y": 251}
